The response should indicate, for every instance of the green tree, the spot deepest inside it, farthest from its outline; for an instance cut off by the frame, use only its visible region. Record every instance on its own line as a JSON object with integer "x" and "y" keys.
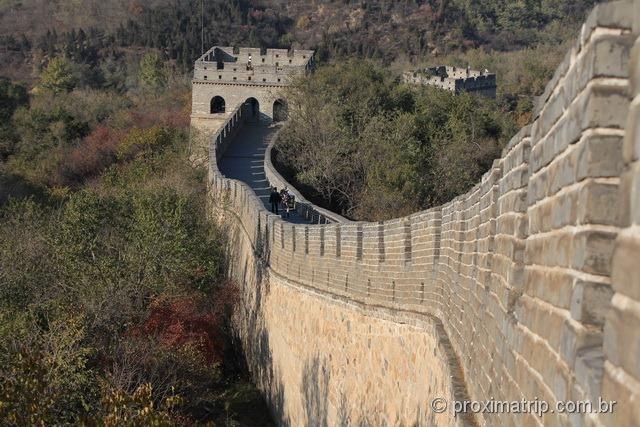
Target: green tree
{"x": 152, "y": 71}
{"x": 374, "y": 149}
{"x": 58, "y": 76}
{"x": 12, "y": 96}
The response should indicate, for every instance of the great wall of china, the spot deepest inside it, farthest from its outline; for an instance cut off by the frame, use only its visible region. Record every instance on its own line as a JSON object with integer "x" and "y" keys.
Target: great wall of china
{"x": 526, "y": 287}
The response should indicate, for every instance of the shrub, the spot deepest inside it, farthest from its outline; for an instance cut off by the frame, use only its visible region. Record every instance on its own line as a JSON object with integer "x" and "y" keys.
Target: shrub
{"x": 58, "y": 76}
{"x": 153, "y": 75}
{"x": 120, "y": 408}
{"x": 45, "y": 377}
{"x": 94, "y": 154}
{"x": 143, "y": 142}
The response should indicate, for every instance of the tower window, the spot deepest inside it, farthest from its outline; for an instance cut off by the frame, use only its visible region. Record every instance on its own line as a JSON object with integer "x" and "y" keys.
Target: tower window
{"x": 264, "y": 80}
{"x": 217, "y": 105}
{"x": 219, "y": 77}
{"x": 205, "y": 77}
{"x": 249, "y": 77}
{"x": 234, "y": 78}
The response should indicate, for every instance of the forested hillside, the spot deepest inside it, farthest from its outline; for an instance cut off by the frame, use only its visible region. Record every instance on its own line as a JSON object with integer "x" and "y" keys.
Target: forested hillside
{"x": 35, "y": 17}
{"x": 520, "y": 41}
{"x": 382, "y": 29}
{"x": 373, "y": 149}
{"x": 114, "y": 305}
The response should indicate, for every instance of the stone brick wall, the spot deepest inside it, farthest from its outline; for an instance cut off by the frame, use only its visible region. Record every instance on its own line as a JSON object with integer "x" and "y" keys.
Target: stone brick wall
{"x": 304, "y": 208}
{"x": 622, "y": 321}
{"x": 234, "y": 94}
{"x": 530, "y": 282}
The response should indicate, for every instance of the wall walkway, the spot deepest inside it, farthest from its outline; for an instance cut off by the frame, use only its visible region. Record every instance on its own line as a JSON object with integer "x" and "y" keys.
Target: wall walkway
{"x": 247, "y": 158}
{"x": 526, "y": 287}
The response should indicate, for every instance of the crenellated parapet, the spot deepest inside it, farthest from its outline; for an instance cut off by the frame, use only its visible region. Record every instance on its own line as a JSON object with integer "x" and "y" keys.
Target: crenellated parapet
{"x": 252, "y": 66}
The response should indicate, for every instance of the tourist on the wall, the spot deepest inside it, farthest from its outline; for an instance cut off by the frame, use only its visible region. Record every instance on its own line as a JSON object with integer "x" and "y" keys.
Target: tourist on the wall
{"x": 291, "y": 203}
{"x": 285, "y": 197}
{"x": 288, "y": 202}
{"x": 274, "y": 199}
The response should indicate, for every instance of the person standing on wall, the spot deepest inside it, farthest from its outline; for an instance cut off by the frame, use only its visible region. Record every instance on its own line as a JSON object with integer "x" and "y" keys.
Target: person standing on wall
{"x": 284, "y": 198}
{"x": 274, "y": 199}
{"x": 291, "y": 203}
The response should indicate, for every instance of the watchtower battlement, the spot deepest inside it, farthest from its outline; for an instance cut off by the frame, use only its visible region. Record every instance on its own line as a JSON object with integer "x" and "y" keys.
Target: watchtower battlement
{"x": 454, "y": 79}
{"x": 226, "y": 64}
{"x": 226, "y": 78}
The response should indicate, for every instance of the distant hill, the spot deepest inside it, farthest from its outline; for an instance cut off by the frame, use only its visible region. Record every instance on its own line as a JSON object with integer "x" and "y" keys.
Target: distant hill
{"x": 522, "y": 41}
{"x": 384, "y": 29}
{"x": 393, "y": 29}
{"x": 35, "y": 17}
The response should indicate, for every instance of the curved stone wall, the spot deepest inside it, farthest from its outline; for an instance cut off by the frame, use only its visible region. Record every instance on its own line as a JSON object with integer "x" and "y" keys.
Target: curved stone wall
{"x": 526, "y": 287}
{"x": 306, "y": 209}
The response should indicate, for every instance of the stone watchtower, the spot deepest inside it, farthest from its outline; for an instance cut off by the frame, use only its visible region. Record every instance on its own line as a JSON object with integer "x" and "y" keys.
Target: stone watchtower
{"x": 454, "y": 79}
{"x": 225, "y": 78}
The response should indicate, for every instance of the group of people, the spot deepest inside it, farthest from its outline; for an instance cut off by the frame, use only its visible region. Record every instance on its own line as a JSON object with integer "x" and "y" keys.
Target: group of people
{"x": 283, "y": 197}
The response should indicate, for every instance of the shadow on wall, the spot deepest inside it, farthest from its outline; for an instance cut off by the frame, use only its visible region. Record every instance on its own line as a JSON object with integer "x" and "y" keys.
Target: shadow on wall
{"x": 315, "y": 390}
{"x": 314, "y": 385}
{"x": 252, "y": 325}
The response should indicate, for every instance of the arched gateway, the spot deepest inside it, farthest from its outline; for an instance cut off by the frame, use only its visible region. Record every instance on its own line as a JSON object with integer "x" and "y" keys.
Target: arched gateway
{"x": 251, "y": 110}
{"x": 280, "y": 112}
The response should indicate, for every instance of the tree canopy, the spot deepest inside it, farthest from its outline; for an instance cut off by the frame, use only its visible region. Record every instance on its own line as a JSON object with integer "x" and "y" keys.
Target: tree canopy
{"x": 58, "y": 76}
{"x": 373, "y": 148}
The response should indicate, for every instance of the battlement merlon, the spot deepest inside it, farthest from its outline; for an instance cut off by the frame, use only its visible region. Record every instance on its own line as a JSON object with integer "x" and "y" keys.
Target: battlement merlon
{"x": 253, "y": 66}
{"x": 224, "y": 56}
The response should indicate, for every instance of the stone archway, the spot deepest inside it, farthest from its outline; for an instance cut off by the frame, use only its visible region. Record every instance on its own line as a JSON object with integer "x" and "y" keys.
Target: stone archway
{"x": 218, "y": 105}
{"x": 251, "y": 110}
{"x": 280, "y": 110}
